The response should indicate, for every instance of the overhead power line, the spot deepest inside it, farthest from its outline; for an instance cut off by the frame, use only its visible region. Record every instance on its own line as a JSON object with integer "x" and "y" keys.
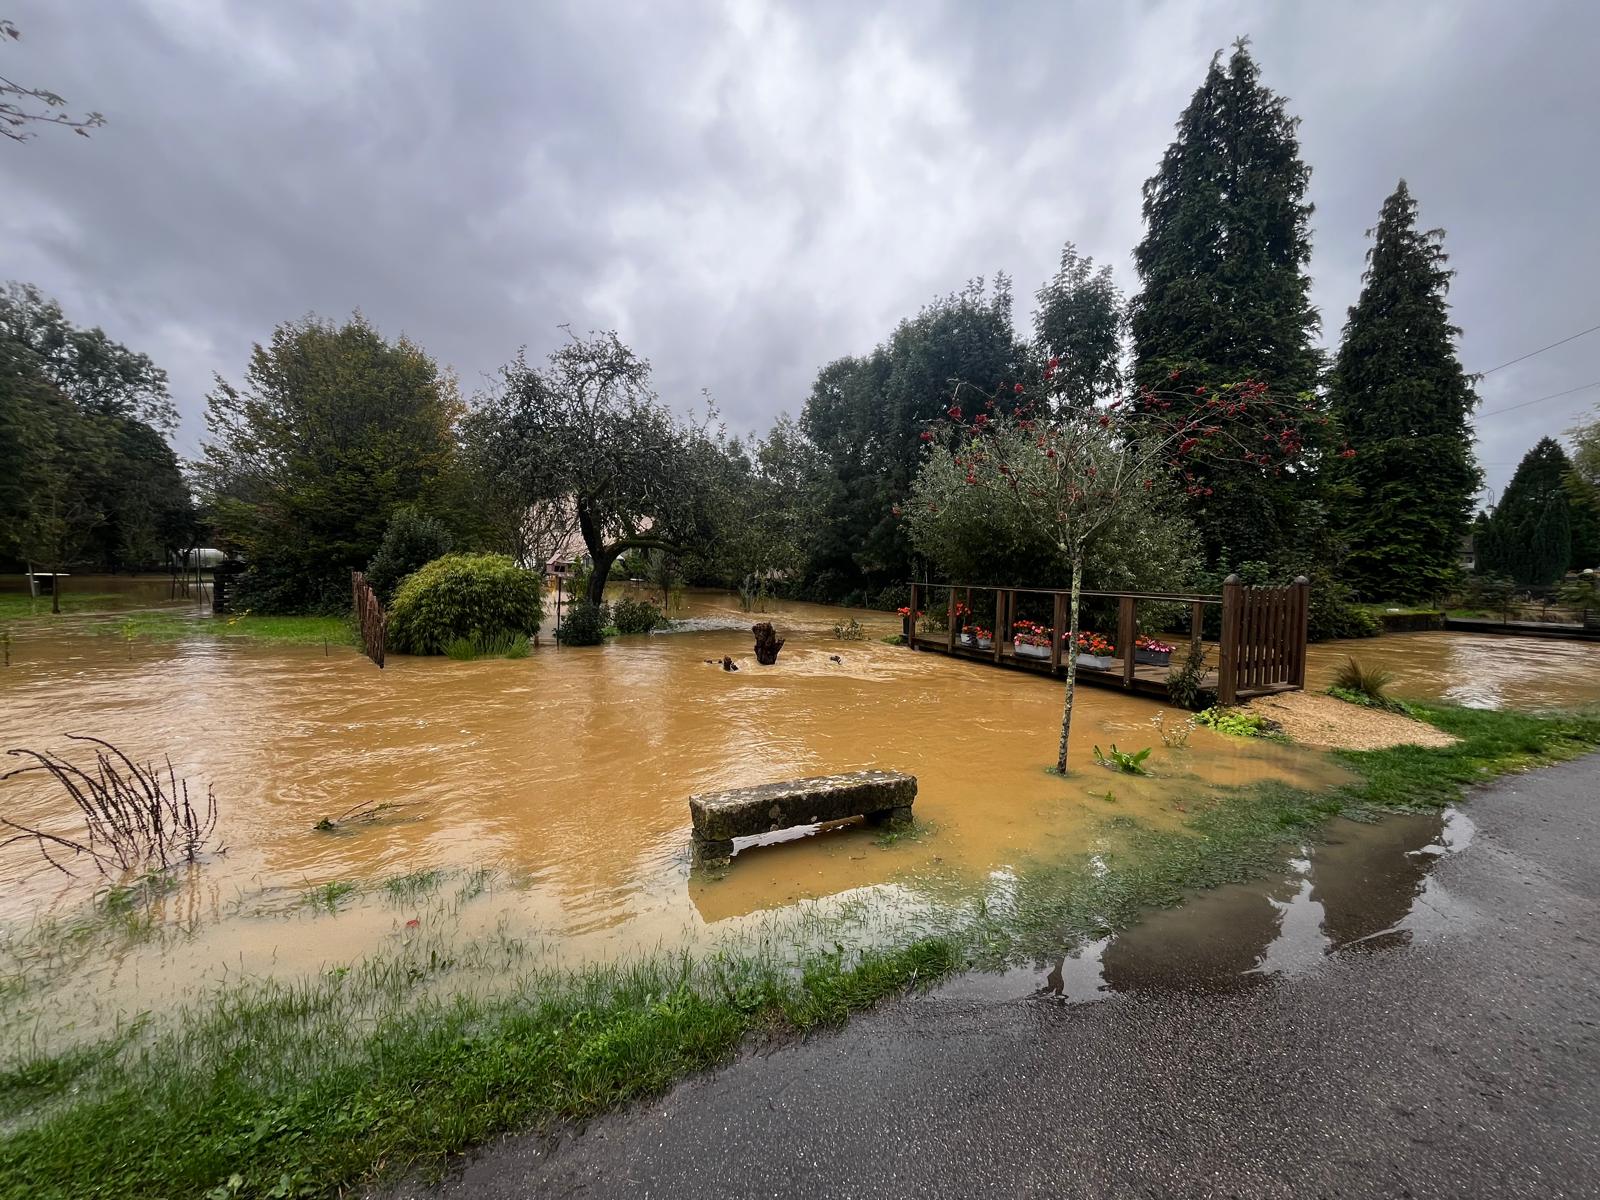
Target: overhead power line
{"x": 1582, "y": 387}
{"x": 1531, "y": 353}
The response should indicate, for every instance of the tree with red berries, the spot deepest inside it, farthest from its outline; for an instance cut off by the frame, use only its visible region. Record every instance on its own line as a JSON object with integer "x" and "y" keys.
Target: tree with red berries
{"x": 1074, "y": 473}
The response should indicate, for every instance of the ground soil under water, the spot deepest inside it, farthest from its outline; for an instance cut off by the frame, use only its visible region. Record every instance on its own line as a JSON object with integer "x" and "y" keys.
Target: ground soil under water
{"x": 569, "y": 772}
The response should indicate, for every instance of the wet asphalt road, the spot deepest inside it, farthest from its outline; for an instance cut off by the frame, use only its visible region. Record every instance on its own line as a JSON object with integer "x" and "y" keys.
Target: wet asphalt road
{"x": 1442, "y": 1039}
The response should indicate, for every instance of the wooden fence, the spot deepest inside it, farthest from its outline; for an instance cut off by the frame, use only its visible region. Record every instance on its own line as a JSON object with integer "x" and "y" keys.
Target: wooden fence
{"x": 1260, "y": 648}
{"x": 370, "y": 617}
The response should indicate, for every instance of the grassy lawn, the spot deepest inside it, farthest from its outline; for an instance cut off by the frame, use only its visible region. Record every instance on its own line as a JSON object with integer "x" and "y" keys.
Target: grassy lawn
{"x": 17, "y": 606}
{"x": 315, "y": 1087}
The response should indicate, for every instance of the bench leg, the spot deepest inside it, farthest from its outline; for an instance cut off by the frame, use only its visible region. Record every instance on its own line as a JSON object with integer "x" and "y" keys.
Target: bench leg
{"x": 711, "y": 853}
{"x": 894, "y": 818}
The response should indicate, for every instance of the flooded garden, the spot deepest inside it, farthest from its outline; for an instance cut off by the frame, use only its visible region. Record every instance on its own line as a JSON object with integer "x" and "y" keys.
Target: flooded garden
{"x": 543, "y": 801}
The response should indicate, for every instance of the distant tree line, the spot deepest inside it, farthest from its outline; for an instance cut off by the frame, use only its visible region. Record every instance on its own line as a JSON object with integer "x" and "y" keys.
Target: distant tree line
{"x": 338, "y": 435}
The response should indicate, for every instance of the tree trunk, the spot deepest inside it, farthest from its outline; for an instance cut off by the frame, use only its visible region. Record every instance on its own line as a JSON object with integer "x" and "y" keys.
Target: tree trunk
{"x": 1072, "y": 663}
{"x": 600, "y": 573}
{"x": 768, "y": 643}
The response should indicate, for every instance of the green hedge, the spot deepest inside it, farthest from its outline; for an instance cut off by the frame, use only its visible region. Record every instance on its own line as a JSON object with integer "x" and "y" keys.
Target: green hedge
{"x": 478, "y": 597}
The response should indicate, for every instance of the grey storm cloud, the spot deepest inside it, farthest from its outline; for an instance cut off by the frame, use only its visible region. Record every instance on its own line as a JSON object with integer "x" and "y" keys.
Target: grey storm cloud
{"x": 746, "y": 191}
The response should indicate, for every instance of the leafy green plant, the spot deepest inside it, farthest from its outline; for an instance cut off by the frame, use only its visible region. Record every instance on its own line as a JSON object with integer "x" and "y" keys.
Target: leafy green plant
{"x": 1121, "y": 760}
{"x": 850, "y": 631}
{"x": 1186, "y": 680}
{"x": 1236, "y": 721}
{"x": 480, "y": 597}
{"x": 412, "y": 540}
{"x": 584, "y": 624}
{"x": 635, "y": 616}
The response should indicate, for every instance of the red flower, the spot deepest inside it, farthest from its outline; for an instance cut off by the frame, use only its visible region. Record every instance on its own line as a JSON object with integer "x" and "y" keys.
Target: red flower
{"x": 955, "y": 412}
{"x": 1054, "y": 363}
{"x": 1017, "y": 388}
{"x": 1174, "y": 375}
{"x": 927, "y": 436}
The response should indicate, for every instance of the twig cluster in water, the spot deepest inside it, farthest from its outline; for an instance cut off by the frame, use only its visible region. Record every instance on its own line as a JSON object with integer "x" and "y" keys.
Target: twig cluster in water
{"x": 135, "y": 819}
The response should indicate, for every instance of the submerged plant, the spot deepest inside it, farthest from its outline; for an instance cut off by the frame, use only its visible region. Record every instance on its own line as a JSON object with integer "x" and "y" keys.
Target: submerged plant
{"x": 135, "y": 819}
{"x": 850, "y": 631}
{"x": 1175, "y": 737}
{"x": 1121, "y": 760}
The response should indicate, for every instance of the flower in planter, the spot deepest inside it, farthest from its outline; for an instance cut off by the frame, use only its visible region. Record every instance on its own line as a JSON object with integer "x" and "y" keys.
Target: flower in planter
{"x": 1153, "y": 645}
{"x": 1031, "y": 633}
{"x": 1092, "y": 643}
{"x": 905, "y": 611}
{"x": 977, "y": 632}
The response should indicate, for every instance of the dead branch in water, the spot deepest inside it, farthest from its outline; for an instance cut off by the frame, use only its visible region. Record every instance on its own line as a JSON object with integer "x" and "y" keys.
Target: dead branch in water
{"x": 134, "y": 818}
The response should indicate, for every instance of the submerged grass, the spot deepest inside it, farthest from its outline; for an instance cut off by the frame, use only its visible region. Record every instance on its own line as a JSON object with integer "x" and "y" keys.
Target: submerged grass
{"x": 16, "y": 606}
{"x": 278, "y": 1089}
{"x": 159, "y": 625}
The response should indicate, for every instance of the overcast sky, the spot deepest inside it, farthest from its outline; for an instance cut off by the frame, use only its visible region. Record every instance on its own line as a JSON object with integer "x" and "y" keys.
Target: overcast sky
{"x": 745, "y": 190}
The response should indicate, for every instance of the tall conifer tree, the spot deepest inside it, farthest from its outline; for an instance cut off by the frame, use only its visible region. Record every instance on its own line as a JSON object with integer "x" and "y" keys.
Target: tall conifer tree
{"x": 1530, "y": 530}
{"x": 1403, "y": 400}
{"x": 1225, "y": 293}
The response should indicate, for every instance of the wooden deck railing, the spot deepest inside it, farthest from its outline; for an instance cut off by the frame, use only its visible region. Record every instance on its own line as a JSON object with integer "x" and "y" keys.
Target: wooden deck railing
{"x": 1260, "y": 647}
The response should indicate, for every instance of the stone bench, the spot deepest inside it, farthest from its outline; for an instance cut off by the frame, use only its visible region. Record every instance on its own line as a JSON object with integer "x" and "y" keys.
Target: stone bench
{"x": 883, "y": 797}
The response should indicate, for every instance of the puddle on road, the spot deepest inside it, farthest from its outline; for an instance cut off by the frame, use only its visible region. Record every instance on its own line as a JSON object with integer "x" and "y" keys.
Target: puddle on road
{"x": 1368, "y": 887}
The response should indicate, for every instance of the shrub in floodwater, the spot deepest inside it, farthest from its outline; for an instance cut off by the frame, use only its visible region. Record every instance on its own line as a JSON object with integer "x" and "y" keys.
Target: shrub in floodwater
{"x": 135, "y": 819}
{"x": 635, "y": 616}
{"x": 412, "y": 541}
{"x": 504, "y": 645}
{"x": 479, "y": 597}
{"x": 1185, "y": 681}
{"x": 584, "y": 624}
{"x": 850, "y": 631}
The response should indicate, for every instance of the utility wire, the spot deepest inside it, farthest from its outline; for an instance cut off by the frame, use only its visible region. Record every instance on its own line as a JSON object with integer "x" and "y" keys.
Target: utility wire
{"x": 1540, "y": 350}
{"x": 1582, "y": 387}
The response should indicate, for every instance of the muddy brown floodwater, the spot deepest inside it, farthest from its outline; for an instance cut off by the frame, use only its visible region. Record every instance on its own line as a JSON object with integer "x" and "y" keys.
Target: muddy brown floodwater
{"x": 568, "y": 772}
{"x": 572, "y": 769}
{"x": 1473, "y": 669}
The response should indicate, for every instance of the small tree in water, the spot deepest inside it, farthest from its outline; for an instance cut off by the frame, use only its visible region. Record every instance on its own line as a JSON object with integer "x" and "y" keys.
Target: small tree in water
{"x": 1073, "y": 475}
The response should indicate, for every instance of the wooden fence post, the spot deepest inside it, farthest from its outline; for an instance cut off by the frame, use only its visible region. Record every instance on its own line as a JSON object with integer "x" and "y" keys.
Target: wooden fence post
{"x": 1302, "y": 628}
{"x": 950, "y": 634}
{"x": 1228, "y": 655}
{"x": 1000, "y": 620}
{"x": 911, "y": 619}
{"x": 1126, "y": 626}
{"x": 1197, "y": 623}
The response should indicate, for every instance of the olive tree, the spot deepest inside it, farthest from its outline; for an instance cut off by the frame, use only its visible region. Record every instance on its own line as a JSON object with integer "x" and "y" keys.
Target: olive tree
{"x": 1071, "y": 479}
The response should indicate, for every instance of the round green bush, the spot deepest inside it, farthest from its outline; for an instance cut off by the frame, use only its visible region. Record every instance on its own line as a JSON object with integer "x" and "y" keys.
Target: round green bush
{"x": 635, "y": 616}
{"x": 583, "y": 624}
{"x": 483, "y": 598}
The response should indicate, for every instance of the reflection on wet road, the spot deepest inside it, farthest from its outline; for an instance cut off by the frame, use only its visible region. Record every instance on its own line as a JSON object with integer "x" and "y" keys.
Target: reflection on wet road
{"x": 1367, "y": 887}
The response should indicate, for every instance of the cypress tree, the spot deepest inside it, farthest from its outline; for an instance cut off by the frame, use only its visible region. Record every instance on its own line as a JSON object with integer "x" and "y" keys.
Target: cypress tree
{"x": 1530, "y": 530}
{"x": 1403, "y": 400}
{"x": 1225, "y": 295}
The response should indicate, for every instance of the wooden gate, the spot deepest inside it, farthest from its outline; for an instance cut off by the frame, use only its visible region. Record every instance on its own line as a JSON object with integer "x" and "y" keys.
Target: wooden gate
{"x": 370, "y": 617}
{"x": 1263, "y": 645}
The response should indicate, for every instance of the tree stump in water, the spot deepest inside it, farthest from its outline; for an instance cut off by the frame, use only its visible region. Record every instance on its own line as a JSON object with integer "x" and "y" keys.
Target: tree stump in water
{"x": 768, "y": 643}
